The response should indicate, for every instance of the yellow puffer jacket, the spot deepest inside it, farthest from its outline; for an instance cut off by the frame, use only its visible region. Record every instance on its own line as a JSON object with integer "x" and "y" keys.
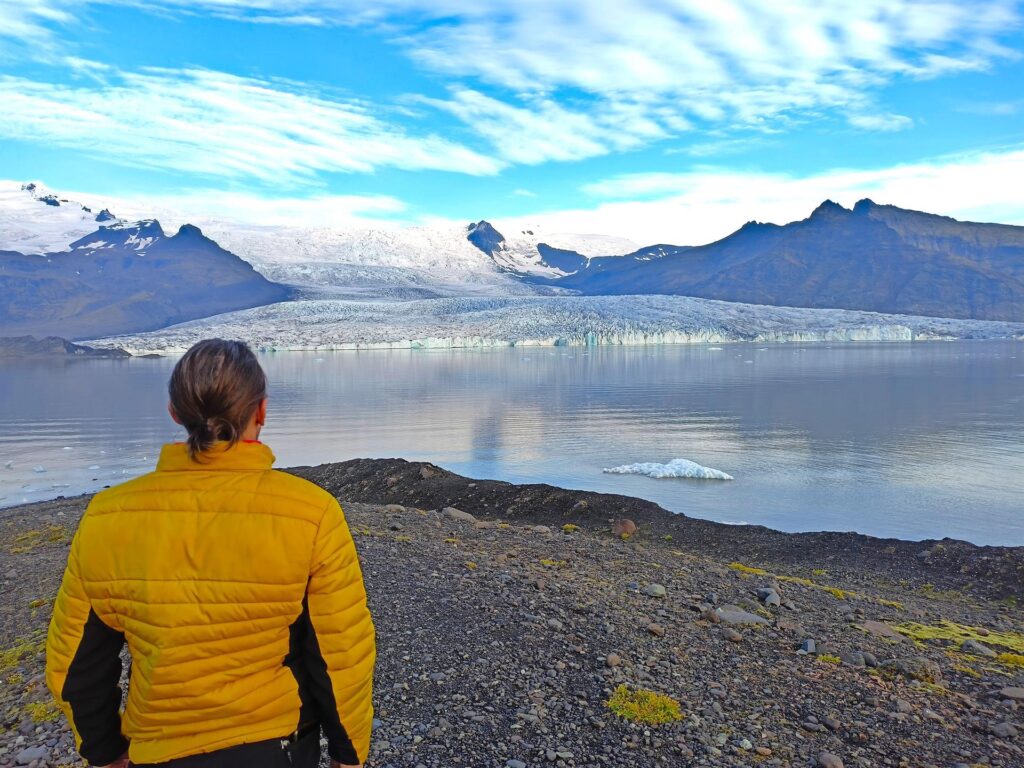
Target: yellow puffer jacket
{"x": 238, "y": 591}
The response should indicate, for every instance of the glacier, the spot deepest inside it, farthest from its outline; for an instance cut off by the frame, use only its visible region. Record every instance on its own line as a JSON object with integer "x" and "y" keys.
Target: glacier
{"x": 472, "y": 322}
{"x": 674, "y": 468}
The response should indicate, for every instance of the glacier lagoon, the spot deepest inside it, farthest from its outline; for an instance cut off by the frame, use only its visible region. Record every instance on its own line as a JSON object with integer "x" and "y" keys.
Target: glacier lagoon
{"x": 914, "y": 441}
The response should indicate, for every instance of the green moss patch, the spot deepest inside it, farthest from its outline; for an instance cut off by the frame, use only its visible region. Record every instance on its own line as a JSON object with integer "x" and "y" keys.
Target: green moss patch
{"x": 958, "y": 633}
{"x": 642, "y": 706}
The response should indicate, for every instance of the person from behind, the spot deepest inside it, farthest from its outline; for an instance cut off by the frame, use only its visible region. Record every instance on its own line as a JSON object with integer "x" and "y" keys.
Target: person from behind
{"x": 236, "y": 589}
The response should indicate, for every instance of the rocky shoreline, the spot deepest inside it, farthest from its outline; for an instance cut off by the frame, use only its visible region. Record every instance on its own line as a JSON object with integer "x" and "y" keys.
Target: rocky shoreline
{"x": 525, "y": 625}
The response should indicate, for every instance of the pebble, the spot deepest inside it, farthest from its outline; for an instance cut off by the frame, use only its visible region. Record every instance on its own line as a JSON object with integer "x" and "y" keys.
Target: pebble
{"x": 613, "y": 660}
{"x": 731, "y": 635}
{"x": 515, "y": 764}
{"x": 808, "y": 646}
{"x": 1005, "y": 730}
{"x": 978, "y": 649}
{"x": 31, "y": 754}
{"x": 852, "y": 658}
{"x": 1013, "y": 692}
{"x": 656, "y": 629}
{"x": 828, "y": 760}
{"x": 731, "y": 614}
{"x": 654, "y": 590}
{"x": 881, "y": 629}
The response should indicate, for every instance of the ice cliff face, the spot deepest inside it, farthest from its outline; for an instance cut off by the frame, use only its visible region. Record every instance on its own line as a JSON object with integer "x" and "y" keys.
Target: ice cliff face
{"x": 546, "y": 321}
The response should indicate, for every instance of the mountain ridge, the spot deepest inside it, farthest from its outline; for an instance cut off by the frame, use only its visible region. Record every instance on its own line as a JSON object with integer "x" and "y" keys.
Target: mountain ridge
{"x": 126, "y": 278}
{"x": 872, "y": 257}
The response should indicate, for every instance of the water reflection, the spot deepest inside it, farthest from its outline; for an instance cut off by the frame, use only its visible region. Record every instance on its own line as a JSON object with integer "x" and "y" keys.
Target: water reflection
{"x": 906, "y": 440}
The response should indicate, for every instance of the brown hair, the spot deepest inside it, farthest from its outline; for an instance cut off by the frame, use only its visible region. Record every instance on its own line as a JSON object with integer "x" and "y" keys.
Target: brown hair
{"x": 215, "y": 389}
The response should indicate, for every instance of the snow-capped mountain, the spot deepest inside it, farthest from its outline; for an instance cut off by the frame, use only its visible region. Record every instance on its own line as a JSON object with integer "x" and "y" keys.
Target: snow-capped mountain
{"x": 533, "y": 253}
{"x": 35, "y": 220}
{"x": 124, "y": 278}
{"x": 388, "y": 263}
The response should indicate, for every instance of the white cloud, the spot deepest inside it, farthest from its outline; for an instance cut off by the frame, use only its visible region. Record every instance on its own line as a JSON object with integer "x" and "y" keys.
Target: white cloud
{"x": 706, "y": 205}
{"x": 544, "y": 130}
{"x": 219, "y": 125}
{"x": 567, "y": 79}
{"x": 888, "y": 122}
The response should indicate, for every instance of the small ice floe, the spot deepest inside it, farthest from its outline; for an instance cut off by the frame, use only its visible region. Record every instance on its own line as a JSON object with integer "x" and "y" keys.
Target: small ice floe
{"x": 39, "y": 468}
{"x": 67, "y": 448}
{"x": 94, "y": 466}
{"x": 675, "y": 468}
{"x": 8, "y": 465}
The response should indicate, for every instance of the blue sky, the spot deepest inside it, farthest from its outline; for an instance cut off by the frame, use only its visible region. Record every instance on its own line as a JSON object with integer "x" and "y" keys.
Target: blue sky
{"x": 660, "y": 120}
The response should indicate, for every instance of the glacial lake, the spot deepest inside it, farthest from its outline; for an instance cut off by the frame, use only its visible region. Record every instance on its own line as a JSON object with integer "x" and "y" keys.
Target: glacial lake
{"x": 914, "y": 441}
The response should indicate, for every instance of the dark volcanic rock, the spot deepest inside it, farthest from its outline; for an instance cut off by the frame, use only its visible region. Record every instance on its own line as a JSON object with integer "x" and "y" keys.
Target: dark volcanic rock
{"x": 990, "y": 571}
{"x": 485, "y": 237}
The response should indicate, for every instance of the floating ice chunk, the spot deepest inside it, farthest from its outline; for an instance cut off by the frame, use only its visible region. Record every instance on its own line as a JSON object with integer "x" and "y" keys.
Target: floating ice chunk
{"x": 8, "y": 464}
{"x": 39, "y": 468}
{"x": 94, "y": 466}
{"x": 675, "y": 468}
{"x": 67, "y": 448}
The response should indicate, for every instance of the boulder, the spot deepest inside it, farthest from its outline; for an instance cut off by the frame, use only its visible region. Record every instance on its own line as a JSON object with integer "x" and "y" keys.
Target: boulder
{"x": 457, "y": 514}
{"x": 624, "y": 528}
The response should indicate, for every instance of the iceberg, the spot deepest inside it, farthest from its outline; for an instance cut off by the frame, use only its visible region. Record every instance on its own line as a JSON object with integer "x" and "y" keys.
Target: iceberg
{"x": 675, "y": 468}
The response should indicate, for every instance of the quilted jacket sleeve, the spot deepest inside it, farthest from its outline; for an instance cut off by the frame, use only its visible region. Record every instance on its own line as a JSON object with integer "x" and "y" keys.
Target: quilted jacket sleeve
{"x": 343, "y": 651}
{"x": 83, "y": 669}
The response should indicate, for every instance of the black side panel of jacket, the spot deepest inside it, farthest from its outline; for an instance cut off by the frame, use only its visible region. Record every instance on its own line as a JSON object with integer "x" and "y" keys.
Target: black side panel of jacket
{"x": 315, "y": 691}
{"x": 92, "y": 690}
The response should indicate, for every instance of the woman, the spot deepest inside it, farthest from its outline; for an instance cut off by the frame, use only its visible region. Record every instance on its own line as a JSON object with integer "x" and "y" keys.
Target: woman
{"x": 236, "y": 588}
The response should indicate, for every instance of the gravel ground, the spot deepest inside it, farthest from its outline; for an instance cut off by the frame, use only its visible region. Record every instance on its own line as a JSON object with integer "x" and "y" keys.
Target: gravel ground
{"x": 501, "y": 635}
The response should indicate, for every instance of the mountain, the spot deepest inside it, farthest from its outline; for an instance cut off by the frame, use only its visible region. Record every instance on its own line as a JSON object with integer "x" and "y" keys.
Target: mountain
{"x": 537, "y": 256}
{"x": 125, "y": 278}
{"x": 874, "y": 257}
{"x": 34, "y": 220}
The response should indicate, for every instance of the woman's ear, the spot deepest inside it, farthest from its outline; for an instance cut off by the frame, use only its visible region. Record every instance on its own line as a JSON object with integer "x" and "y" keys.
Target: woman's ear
{"x": 261, "y": 412}
{"x": 174, "y": 416}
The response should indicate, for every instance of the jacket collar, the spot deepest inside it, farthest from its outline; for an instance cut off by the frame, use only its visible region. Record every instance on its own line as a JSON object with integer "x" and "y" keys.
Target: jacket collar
{"x": 252, "y": 456}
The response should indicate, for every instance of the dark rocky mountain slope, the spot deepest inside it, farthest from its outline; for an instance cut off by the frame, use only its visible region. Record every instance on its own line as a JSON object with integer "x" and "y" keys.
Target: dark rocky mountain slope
{"x": 123, "y": 279}
{"x": 873, "y": 257}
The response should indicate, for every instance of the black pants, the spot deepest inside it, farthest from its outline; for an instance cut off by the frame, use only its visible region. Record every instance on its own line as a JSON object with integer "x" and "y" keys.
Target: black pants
{"x": 303, "y": 753}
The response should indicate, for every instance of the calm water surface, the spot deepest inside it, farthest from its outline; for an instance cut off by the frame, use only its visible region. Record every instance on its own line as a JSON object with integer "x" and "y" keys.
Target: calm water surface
{"x": 913, "y": 441}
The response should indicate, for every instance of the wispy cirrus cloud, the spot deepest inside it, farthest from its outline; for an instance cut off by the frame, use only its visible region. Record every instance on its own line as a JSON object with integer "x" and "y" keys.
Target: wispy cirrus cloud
{"x": 542, "y": 80}
{"x": 215, "y": 124}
